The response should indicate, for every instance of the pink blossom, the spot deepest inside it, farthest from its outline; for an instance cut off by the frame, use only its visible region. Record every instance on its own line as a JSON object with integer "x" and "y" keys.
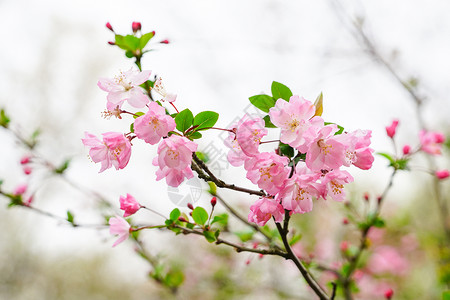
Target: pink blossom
{"x": 326, "y": 151}
{"x": 25, "y": 160}
{"x": 114, "y": 150}
{"x": 387, "y": 259}
{"x": 294, "y": 118}
{"x": 160, "y": 89}
{"x": 431, "y": 141}
{"x": 249, "y": 131}
{"x": 263, "y": 209}
{"x": 174, "y": 159}
{"x": 125, "y": 87}
{"x": 268, "y": 170}
{"x": 129, "y": 205}
{"x": 236, "y": 157}
{"x": 333, "y": 184}
{"x": 154, "y": 125}
{"x": 298, "y": 190}
{"x": 357, "y": 151}
{"x": 442, "y": 174}
{"x": 390, "y": 130}
{"x": 119, "y": 226}
{"x": 27, "y": 170}
{"x": 136, "y": 26}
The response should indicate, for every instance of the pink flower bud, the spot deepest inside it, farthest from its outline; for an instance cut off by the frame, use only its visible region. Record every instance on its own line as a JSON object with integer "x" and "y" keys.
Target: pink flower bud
{"x": 442, "y": 174}
{"x": 213, "y": 201}
{"x": 20, "y": 189}
{"x": 108, "y": 25}
{"x": 164, "y": 42}
{"x": 111, "y": 43}
{"x": 388, "y": 294}
{"x": 129, "y": 205}
{"x": 406, "y": 149}
{"x": 190, "y": 206}
{"x": 182, "y": 219}
{"x": 27, "y": 170}
{"x": 366, "y": 196}
{"x": 136, "y": 26}
{"x": 344, "y": 246}
{"x": 25, "y": 160}
{"x": 28, "y": 201}
{"x": 153, "y": 32}
{"x": 345, "y": 221}
{"x": 390, "y": 130}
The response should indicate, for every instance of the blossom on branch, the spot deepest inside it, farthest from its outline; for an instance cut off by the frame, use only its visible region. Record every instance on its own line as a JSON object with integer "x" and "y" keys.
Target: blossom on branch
{"x": 431, "y": 142}
{"x": 114, "y": 150}
{"x": 263, "y": 209}
{"x": 124, "y": 87}
{"x": 129, "y": 205}
{"x": 154, "y": 125}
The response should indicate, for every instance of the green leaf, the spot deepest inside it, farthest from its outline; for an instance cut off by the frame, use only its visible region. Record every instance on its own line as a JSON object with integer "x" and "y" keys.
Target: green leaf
{"x": 221, "y": 219}
{"x": 175, "y": 214}
{"x": 212, "y": 188}
{"x": 128, "y": 42}
{"x": 174, "y": 279}
{"x": 132, "y": 127}
{"x": 70, "y": 217}
{"x": 379, "y": 222}
{"x": 4, "y": 119}
{"x": 195, "y": 135}
{"x": 129, "y": 54}
{"x": 446, "y": 295}
{"x": 145, "y": 38}
{"x": 190, "y": 225}
{"x": 388, "y": 156}
{"x": 138, "y": 114}
{"x": 268, "y": 123}
{"x": 286, "y": 150}
{"x": 244, "y": 236}
{"x": 279, "y": 90}
{"x": 205, "y": 119}
{"x": 263, "y": 102}
{"x": 184, "y": 120}
{"x": 210, "y": 236}
{"x": 200, "y": 215}
{"x": 61, "y": 169}
{"x": 202, "y": 156}
{"x": 295, "y": 239}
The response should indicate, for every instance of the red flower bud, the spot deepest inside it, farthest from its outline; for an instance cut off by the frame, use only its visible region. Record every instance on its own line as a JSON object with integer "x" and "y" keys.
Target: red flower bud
{"x": 190, "y": 206}
{"x": 136, "y": 26}
{"x": 164, "y": 42}
{"x": 27, "y": 170}
{"x": 181, "y": 219}
{"x": 366, "y": 196}
{"x": 406, "y": 149}
{"x": 25, "y": 160}
{"x": 345, "y": 221}
{"x": 213, "y": 201}
{"x": 390, "y": 130}
{"x": 108, "y": 25}
{"x": 388, "y": 294}
{"x": 111, "y": 43}
{"x": 442, "y": 174}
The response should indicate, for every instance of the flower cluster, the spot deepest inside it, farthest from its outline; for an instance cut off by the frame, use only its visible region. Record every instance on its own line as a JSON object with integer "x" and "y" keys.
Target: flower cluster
{"x": 292, "y": 181}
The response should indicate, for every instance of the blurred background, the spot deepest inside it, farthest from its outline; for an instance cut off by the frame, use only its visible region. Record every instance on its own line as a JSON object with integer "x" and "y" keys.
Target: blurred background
{"x": 220, "y": 53}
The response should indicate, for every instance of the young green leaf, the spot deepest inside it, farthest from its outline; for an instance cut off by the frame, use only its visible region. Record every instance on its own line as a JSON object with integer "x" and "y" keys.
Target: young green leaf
{"x": 175, "y": 214}
{"x": 145, "y": 38}
{"x": 268, "y": 123}
{"x": 70, "y": 217}
{"x": 184, "y": 120}
{"x": 200, "y": 215}
{"x": 4, "y": 119}
{"x": 210, "y": 236}
{"x": 195, "y": 135}
{"x": 263, "y": 102}
{"x": 205, "y": 119}
{"x": 279, "y": 90}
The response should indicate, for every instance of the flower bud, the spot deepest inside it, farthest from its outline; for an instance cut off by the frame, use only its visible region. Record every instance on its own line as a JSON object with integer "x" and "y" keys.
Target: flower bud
{"x": 366, "y": 196}
{"x": 136, "y": 26}
{"x": 111, "y": 43}
{"x": 345, "y": 221}
{"x": 442, "y": 174}
{"x": 25, "y": 160}
{"x": 108, "y": 25}
{"x": 27, "y": 170}
{"x": 388, "y": 294}
{"x": 182, "y": 219}
{"x": 190, "y": 206}
{"x": 390, "y": 130}
{"x": 213, "y": 201}
{"x": 344, "y": 246}
{"x": 164, "y": 42}
{"x": 406, "y": 149}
